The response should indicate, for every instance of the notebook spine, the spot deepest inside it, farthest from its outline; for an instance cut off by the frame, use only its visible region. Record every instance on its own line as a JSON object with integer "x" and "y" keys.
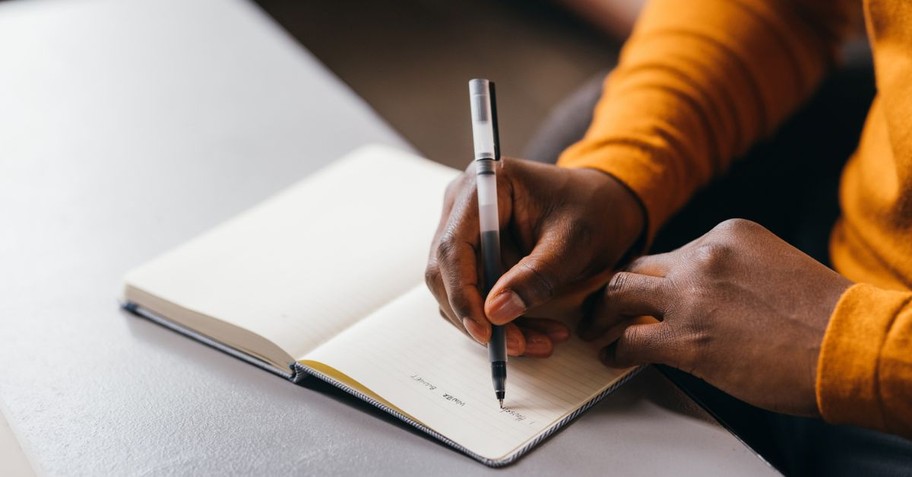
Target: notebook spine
{"x": 141, "y": 312}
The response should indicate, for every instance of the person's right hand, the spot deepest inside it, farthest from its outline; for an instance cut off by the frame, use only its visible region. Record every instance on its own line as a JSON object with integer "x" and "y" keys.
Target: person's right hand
{"x": 562, "y": 231}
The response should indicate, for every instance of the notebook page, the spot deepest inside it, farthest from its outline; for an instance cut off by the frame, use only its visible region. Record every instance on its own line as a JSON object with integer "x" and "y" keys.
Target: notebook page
{"x": 413, "y": 359}
{"x": 306, "y": 264}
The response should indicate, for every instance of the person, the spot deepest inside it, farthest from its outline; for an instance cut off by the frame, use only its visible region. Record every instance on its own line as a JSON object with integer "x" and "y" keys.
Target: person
{"x": 698, "y": 84}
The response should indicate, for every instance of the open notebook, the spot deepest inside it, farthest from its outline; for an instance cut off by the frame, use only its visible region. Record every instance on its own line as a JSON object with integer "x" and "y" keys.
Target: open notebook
{"x": 326, "y": 279}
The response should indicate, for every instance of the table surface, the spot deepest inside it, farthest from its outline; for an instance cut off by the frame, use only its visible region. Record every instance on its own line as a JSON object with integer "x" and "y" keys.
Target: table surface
{"x": 128, "y": 127}
{"x": 13, "y": 461}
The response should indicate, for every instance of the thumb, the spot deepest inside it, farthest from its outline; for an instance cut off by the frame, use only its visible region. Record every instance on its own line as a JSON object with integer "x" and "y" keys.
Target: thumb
{"x": 639, "y": 344}
{"x": 534, "y": 280}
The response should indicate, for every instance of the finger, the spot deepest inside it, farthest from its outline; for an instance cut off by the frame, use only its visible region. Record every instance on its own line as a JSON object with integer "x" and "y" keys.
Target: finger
{"x": 456, "y": 260}
{"x": 457, "y": 253}
{"x": 432, "y": 277}
{"x": 453, "y": 191}
{"x": 538, "y": 344}
{"x": 655, "y": 265}
{"x": 460, "y": 280}
{"x": 456, "y": 323}
{"x": 626, "y": 295}
{"x": 556, "y": 331}
{"x": 640, "y": 344}
{"x": 535, "y": 279}
{"x": 516, "y": 341}
{"x": 614, "y": 332}
{"x": 434, "y": 282}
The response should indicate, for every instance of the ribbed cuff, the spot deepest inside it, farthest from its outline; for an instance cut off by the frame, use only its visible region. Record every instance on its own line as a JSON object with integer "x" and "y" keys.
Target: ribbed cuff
{"x": 848, "y": 387}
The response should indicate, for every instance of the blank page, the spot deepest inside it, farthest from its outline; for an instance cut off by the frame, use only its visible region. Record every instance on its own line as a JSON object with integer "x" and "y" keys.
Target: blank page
{"x": 410, "y": 357}
{"x": 306, "y": 264}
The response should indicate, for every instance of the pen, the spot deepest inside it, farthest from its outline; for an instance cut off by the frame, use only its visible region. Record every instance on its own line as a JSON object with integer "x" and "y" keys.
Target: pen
{"x": 487, "y": 153}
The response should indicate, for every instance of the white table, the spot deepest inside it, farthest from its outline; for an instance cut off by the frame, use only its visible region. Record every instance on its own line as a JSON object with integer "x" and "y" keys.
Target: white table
{"x": 129, "y": 126}
{"x": 13, "y": 462}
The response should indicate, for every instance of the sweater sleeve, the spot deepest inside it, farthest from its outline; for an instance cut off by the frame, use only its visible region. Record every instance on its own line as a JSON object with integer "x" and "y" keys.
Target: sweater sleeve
{"x": 864, "y": 373}
{"x": 698, "y": 82}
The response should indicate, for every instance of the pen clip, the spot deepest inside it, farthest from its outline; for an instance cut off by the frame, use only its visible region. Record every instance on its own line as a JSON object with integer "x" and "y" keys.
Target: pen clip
{"x": 494, "y": 121}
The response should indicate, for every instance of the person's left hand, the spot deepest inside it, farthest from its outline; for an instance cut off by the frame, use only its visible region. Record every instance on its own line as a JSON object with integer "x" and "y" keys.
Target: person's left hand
{"x": 738, "y": 307}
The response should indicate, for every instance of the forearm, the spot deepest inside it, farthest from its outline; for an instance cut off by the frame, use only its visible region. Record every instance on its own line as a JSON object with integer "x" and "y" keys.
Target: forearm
{"x": 698, "y": 82}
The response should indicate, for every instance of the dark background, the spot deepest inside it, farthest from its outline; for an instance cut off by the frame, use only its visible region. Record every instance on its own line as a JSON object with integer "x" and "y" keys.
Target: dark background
{"x": 412, "y": 59}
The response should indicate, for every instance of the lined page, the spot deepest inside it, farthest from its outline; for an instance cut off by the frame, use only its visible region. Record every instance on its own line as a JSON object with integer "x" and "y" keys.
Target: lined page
{"x": 413, "y": 359}
{"x": 306, "y": 264}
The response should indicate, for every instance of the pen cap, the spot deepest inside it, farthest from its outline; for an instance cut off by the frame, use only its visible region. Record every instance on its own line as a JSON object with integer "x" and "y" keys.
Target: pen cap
{"x": 482, "y": 118}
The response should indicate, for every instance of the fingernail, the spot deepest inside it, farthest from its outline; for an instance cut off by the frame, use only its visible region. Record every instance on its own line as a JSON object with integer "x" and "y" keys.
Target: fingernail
{"x": 505, "y": 307}
{"x": 477, "y": 331}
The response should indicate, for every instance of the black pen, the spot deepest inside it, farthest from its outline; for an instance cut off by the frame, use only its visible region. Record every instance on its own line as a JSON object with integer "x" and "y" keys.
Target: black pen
{"x": 487, "y": 154}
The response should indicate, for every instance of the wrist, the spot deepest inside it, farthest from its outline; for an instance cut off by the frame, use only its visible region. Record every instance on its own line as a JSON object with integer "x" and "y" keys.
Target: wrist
{"x": 625, "y": 207}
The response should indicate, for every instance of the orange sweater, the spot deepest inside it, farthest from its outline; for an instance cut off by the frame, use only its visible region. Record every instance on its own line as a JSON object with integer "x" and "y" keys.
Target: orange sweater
{"x": 699, "y": 81}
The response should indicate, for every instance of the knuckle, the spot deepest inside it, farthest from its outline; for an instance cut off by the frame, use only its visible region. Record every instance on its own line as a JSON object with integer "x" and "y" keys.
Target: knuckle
{"x": 618, "y": 283}
{"x": 712, "y": 255}
{"x": 459, "y": 303}
{"x": 431, "y": 276}
{"x": 446, "y": 248}
{"x": 542, "y": 283}
{"x": 736, "y": 226}
{"x": 626, "y": 350}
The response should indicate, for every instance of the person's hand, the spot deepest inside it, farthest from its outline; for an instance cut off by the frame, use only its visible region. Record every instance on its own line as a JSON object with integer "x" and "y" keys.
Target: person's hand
{"x": 561, "y": 232}
{"x": 739, "y": 308}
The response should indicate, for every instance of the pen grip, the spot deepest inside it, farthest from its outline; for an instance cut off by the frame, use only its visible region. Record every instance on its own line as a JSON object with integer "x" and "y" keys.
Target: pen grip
{"x": 490, "y": 253}
{"x": 490, "y": 259}
{"x": 492, "y": 266}
{"x": 486, "y": 182}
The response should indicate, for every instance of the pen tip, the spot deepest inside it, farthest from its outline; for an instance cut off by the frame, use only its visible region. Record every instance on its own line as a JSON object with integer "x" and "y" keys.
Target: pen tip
{"x": 501, "y": 403}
